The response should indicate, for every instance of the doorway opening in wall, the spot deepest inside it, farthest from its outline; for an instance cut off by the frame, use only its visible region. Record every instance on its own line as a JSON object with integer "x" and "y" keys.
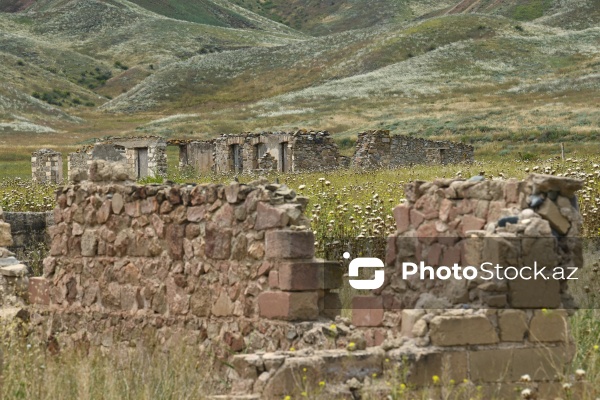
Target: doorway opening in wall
{"x": 236, "y": 158}
{"x": 141, "y": 162}
{"x": 283, "y": 157}
{"x": 261, "y": 149}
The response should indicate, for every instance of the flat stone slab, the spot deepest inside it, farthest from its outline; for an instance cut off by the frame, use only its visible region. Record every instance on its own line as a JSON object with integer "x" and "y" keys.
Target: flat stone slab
{"x": 14, "y": 270}
{"x": 8, "y": 261}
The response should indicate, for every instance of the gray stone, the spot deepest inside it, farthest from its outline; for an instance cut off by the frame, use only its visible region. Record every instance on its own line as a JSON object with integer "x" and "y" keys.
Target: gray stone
{"x": 14, "y": 270}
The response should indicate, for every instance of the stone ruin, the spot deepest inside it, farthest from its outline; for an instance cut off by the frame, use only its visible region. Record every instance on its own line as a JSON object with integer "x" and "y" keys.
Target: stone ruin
{"x": 14, "y": 282}
{"x": 379, "y": 149}
{"x": 281, "y": 151}
{"x": 309, "y": 150}
{"x": 258, "y": 152}
{"x": 46, "y": 166}
{"x": 142, "y": 156}
{"x": 234, "y": 265}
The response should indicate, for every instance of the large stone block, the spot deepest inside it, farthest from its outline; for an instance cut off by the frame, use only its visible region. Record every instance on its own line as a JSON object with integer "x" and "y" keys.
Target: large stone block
{"x": 290, "y": 306}
{"x": 462, "y": 330}
{"x": 5, "y": 235}
{"x": 268, "y": 216}
{"x": 367, "y": 310}
{"x": 286, "y": 244}
{"x": 549, "y": 326}
{"x": 534, "y": 293}
{"x": 542, "y": 363}
{"x": 312, "y": 275}
{"x": 550, "y": 212}
{"x": 490, "y": 365}
{"x": 513, "y": 325}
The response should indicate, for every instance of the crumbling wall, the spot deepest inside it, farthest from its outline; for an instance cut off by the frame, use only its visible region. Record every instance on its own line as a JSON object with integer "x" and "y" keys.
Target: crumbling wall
{"x": 46, "y": 166}
{"x": 198, "y": 155}
{"x": 379, "y": 149}
{"x": 14, "y": 280}
{"x": 235, "y": 264}
{"x": 143, "y": 156}
{"x": 133, "y": 263}
{"x": 448, "y": 338}
{"x": 28, "y": 228}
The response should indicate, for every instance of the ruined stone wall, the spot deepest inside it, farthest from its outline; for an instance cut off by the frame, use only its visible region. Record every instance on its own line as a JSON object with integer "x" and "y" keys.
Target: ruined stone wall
{"x": 77, "y": 162}
{"x": 28, "y": 228}
{"x": 197, "y": 154}
{"x": 142, "y": 264}
{"x": 315, "y": 151}
{"x": 46, "y": 166}
{"x": 235, "y": 264}
{"x": 14, "y": 280}
{"x": 292, "y": 152}
{"x": 379, "y": 149}
{"x": 452, "y": 338}
{"x": 124, "y": 150}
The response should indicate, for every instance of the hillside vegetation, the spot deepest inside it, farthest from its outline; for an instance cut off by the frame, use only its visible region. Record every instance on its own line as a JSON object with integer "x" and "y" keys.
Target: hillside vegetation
{"x": 474, "y": 70}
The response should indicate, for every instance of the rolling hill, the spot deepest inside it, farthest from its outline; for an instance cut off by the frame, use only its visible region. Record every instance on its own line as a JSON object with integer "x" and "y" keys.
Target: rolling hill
{"x": 479, "y": 70}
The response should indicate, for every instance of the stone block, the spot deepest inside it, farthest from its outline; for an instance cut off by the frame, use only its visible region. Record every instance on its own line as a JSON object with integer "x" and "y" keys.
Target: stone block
{"x": 218, "y": 243}
{"x": 402, "y": 217}
{"x": 542, "y": 363}
{"x": 301, "y": 276}
{"x": 367, "y": 310}
{"x": 409, "y": 318}
{"x": 89, "y": 243}
{"x": 5, "y": 235}
{"x": 534, "y": 293}
{"x": 513, "y": 325}
{"x": 14, "y": 270}
{"x": 286, "y": 244}
{"x": 471, "y": 223}
{"x": 549, "y": 326}
{"x": 290, "y": 306}
{"x": 268, "y": 217}
{"x": 462, "y": 330}
{"x": 445, "y": 365}
{"x": 550, "y": 212}
{"x": 490, "y": 365}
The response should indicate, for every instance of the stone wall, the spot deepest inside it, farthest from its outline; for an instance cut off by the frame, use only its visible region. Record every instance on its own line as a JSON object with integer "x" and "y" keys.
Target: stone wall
{"x": 46, "y": 166}
{"x": 198, "y": 155}
{"x": 14, "y": 282}
{"x": 234, "y": 265}
{"x": 142, "y": 156}
{"x": 379, "y": 149}
{"x": 206, "y": 262}
{"x": 291, "y": 151}
{"x": 29, "y": 228}
{"x": 476, "y": 337}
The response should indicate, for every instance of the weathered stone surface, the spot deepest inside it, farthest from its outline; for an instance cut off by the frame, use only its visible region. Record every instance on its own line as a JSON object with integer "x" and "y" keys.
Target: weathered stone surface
{"x": 409, "y": 318}
{"x": 545, "y": 183}
{"x": 269, "y": 217}
{"x": 549, "y": 326}
{"x": 402, "y": 217}
{"x": 5, "y": 235}
{"x": 550, "y": 212}
{"x": 534, "y": 293}
{"x": 14, "y": 270}
{"x": 462, "y": 330}
{"x": 289, "y": 305}
{"x": 89, "y": 243}
{"x": 513, "y": 325}
{"x": 288, "y": 244}
{"x": 491, "y": 365}
{"x": 367, "y": 311}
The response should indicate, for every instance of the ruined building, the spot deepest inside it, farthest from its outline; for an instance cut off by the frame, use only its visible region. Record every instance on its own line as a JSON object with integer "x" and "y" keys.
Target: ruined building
{"x": 280, "y": 151}
{"x": 379, "y": 149}
{"x": 143, "y": 156}
{"x": 262, "y": 152}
